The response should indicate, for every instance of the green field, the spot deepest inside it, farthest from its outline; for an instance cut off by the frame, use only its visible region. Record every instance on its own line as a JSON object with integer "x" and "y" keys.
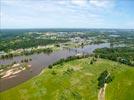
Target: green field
{"x": 122, "y": 88}
{"x": 76, "y": 80}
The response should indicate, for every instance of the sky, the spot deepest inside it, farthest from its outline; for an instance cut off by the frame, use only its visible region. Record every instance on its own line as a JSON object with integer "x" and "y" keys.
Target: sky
{"x": 67, "y": 14}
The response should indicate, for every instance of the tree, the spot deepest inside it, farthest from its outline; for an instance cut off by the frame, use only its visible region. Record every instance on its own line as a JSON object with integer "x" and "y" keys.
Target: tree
{"x": 91, "y": 62}
{"x": 104, "y": 77}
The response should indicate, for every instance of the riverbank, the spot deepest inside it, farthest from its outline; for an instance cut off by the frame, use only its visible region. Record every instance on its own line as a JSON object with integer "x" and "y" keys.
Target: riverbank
{"x": 13, "y": 70}
{"x": 40, "y": 61}
{"x": 71, "y": 79}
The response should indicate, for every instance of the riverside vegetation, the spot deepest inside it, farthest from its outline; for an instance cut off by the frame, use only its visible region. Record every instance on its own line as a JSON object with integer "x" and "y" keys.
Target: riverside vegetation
{"x": 77, "y": 77}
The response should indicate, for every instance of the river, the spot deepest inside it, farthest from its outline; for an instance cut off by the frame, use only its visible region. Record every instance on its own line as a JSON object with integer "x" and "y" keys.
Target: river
{"x": 40, "y": 61}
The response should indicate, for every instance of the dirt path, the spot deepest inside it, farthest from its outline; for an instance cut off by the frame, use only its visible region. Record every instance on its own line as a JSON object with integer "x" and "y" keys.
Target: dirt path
{"x": 101, "y": 94}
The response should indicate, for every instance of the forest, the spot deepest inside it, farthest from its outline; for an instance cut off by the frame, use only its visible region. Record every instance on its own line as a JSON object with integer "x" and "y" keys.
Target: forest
{"x": 123, "y": 55}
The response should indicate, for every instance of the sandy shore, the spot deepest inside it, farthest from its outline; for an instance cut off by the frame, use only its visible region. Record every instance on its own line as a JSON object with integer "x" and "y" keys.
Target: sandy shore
{"x": 16, "y": 68}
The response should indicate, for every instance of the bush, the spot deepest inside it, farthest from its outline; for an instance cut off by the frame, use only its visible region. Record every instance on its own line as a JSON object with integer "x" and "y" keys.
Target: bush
{"x": 91, "y": 62}
{"x": 53, "y": 72}
{"x": 50, "y": 67}
{"x": 104, "y": 77}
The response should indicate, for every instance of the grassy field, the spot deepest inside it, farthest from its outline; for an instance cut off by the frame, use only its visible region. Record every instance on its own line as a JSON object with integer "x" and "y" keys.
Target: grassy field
{"x": 76, "y": 80}
{"x": 122, "y": 88}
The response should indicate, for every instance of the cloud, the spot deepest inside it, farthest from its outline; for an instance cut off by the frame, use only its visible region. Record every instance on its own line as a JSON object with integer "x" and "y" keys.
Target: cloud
{"x": 1, "y": 14}
{"x": 79, "y": 2}
{"x": 11, "y": 2}
{"x": 101, "y": 3}
{"x": 24, "y": 13}
{"x": 60, "y": 13}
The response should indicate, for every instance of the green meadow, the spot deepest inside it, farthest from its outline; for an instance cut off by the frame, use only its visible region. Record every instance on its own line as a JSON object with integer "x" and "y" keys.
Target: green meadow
{"x": 122, "y": 88}
{"x": 76, "y": 80}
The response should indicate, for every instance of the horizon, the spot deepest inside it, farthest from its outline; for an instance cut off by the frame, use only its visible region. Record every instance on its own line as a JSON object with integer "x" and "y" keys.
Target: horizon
{"x": 69, "y": 28}
{"x": 67, "y": 14}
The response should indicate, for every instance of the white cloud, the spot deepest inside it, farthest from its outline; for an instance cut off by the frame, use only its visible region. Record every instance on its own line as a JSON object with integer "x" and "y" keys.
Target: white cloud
{"x": 101, "y": 3}
{"x": 53, "y": 13}
{"x": 1, "y": 14}
{"x": 62, "y": 2}
{"x": 79, "y": 2}
{"x": 129, "y": 24}
{"x": 10, "y": 2}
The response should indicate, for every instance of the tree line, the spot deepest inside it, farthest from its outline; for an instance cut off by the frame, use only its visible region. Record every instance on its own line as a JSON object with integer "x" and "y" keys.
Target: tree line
{"x": 68, "y": 59}
{"x": 123, "y": 55}
{"x": 17, "y": 44}
{"x": 26, "y": 53}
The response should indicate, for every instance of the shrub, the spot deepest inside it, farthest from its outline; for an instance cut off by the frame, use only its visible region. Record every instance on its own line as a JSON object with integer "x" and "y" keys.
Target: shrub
{"x": 104, "y": 77}
{"x": 53, "y": 72}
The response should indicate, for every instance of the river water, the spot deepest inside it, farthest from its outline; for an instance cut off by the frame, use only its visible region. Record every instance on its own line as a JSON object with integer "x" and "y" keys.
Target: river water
{"x": 40, "y": 61}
